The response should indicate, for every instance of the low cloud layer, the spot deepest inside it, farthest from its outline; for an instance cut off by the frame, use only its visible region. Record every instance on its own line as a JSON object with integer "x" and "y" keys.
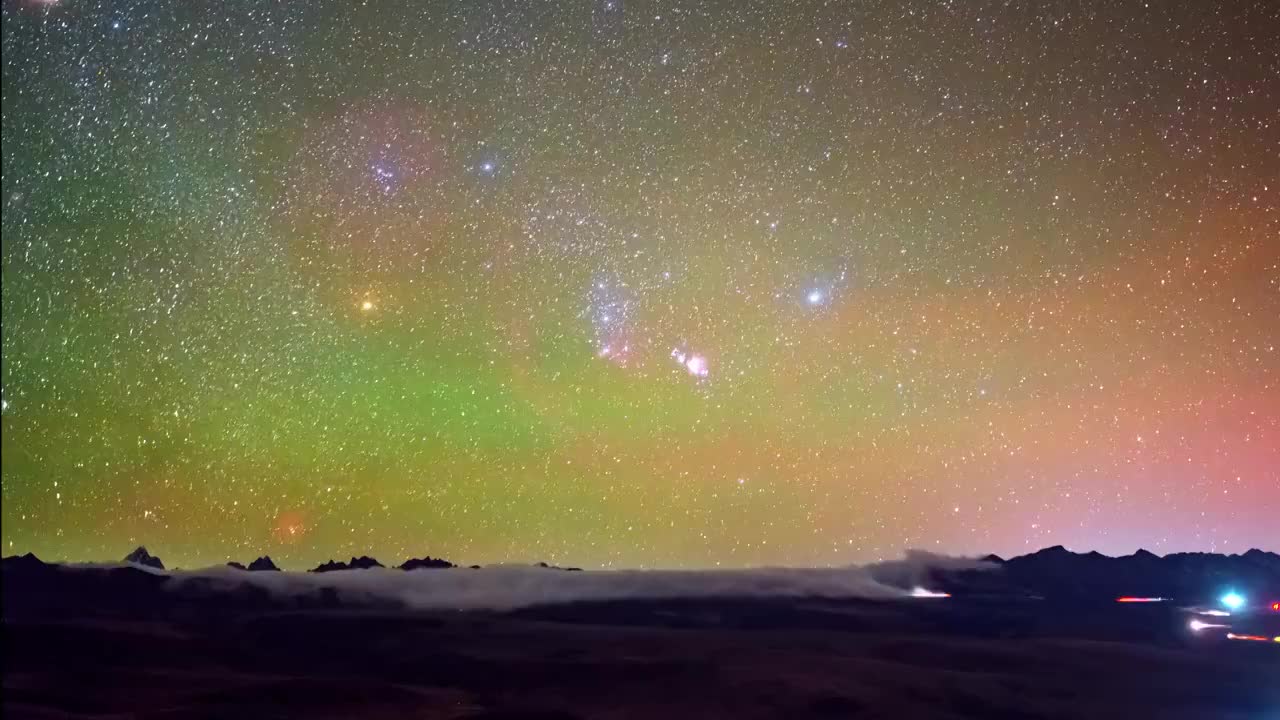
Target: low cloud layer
{"x": 511, "y": 587}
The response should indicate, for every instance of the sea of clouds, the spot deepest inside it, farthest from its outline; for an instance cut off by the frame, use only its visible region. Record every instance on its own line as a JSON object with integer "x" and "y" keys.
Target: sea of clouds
{"x": 507, "y": 587}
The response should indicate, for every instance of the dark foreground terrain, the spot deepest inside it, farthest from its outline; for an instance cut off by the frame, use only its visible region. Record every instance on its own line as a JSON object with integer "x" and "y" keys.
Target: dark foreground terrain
{"x": 105, "y": 644}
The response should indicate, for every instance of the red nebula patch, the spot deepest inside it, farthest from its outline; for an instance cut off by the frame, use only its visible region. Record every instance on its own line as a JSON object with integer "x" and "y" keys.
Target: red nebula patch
{"x": 289, "y": 526}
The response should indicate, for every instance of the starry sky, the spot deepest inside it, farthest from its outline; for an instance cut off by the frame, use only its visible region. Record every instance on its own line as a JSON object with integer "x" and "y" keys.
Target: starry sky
{"x": 639, "y": 284}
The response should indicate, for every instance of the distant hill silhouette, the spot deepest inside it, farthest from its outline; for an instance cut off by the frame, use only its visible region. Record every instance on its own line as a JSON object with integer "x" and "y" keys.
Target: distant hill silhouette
{"x": 426, "y": 563}
{"x": 32, "y": 586}
{"x": 557, "y": 567}
{"x": 263, "y": 563}
{"x": 1059, "y": 573}
{"x": 142, "y": 557}
{"x": 363, "y": 562}
{"x": 26, "y": 564}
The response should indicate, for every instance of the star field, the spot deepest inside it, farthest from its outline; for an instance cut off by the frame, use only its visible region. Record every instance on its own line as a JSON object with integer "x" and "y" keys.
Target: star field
{"x": 614, "y": 283}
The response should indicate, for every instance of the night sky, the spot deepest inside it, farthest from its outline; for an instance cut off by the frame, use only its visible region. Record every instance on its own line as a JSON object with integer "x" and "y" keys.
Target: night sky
{"x": 659, "y": 284}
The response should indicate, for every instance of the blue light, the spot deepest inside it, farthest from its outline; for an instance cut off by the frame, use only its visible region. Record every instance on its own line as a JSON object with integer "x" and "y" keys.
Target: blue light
{"x": 1232, "y": 600}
